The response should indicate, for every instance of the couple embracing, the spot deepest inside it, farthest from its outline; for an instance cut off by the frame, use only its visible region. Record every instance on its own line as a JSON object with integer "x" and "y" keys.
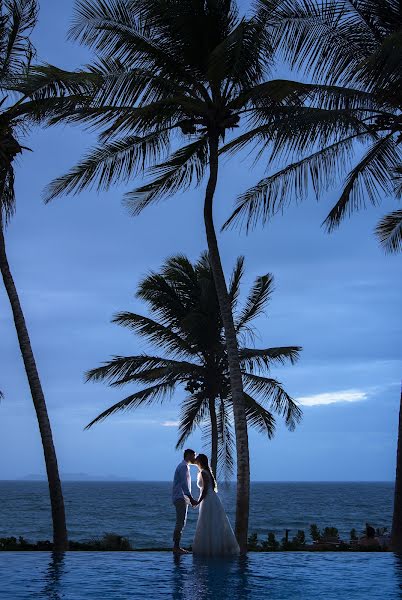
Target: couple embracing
{"x": 214, "y": 535}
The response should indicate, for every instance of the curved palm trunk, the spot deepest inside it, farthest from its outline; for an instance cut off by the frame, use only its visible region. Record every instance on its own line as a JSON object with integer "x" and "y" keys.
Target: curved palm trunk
{"x": 397, "y": 518}
{"x": 56, "y": 496}
{"x": 214, "y": 436}
{"x": 236, "y": 383}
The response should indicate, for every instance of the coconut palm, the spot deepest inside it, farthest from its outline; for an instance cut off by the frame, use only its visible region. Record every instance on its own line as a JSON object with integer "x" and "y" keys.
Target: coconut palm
{"x": 189, "y": 331}
{"x": 17, "y": 19}
{"x": 171, "y": 80}
{"x": 396, "y": 538}
{"x": 353, "y": 51}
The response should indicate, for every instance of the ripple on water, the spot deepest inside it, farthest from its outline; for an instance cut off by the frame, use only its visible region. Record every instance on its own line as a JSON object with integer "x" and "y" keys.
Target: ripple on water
{"x": 134, "y": 575}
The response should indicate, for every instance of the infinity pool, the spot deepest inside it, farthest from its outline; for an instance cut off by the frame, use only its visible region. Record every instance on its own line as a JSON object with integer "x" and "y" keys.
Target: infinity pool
{"x": 158, "y": 575}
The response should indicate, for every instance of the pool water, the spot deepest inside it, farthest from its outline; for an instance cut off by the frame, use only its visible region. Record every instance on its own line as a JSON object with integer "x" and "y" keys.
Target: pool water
{"x": 159, "y": 575}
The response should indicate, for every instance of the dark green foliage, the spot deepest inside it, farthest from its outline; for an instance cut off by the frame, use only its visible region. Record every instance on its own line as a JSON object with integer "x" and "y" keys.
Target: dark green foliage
{"x": 353, "y": 534}
{"x": 353, "y": 51}
{"x": 299, "y": 539}
{"x": 108, "y": 542}
{"x": 389, "y": 231}
{"x": 315, "y": 533}
{"x": 17, "y": 20}
{"x": 253, "y": 542}
{"x": 270, "y": 544}
{"x": 189, "y": 332}
{"x": 165, "y": 79}
{"x": 330, "y": 532}
{"x": 12, "y": 543}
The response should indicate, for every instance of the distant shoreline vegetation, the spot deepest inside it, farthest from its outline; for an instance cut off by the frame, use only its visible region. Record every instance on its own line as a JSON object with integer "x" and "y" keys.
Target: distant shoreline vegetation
{"x": 326, "y": 540}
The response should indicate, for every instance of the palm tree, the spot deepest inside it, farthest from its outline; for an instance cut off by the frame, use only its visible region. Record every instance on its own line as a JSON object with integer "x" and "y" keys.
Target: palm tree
{"x": 396, "y": 536}
{"x": 17, "y": 19}
{"x": 353, "y": 51}
{"x": 171, "y": 79}
{"x": 189, "y": 329}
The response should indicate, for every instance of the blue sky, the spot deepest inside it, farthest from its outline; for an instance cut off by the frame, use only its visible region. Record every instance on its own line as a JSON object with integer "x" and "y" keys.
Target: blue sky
{"x": 77, "y": 261}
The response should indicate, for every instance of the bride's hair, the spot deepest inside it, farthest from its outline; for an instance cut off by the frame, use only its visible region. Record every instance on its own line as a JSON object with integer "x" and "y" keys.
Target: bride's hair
{"x": 204, "y": 462}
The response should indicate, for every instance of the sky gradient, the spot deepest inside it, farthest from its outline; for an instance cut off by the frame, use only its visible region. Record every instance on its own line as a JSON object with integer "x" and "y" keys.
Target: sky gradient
{"x": 77, "y": 261}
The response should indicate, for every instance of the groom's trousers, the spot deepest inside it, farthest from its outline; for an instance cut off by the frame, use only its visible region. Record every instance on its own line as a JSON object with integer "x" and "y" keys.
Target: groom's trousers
{"x": 181, "y": 517}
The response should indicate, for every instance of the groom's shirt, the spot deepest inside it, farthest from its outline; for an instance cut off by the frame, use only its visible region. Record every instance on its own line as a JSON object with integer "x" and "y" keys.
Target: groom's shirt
{"x": 181, "y": 482}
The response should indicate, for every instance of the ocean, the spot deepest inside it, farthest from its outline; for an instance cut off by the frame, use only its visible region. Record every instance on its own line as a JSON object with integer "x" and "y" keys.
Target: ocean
{"x": 143, "y": 512}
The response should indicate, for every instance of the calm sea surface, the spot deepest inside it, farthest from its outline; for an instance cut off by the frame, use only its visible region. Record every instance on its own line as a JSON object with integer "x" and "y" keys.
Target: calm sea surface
{"x": 145, "y": 575}
{"x": 143, "y": 512}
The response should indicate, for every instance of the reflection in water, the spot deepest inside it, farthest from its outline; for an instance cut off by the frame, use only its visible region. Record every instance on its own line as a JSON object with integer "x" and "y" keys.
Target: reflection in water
{"x": 398, "y": 570}
{"x": 53, "y": 575}
{"x": 217, "y": 579}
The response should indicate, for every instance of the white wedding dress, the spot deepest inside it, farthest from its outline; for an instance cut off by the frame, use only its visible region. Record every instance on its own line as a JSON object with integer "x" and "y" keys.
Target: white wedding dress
{"x": 213, "y": 535}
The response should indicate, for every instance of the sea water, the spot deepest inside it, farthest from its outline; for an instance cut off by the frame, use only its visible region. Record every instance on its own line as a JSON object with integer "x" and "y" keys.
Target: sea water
{"x": 143, "y": 512}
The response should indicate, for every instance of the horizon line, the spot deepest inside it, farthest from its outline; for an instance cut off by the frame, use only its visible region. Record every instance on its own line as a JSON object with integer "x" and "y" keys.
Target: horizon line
{"x": 124, "y": 480}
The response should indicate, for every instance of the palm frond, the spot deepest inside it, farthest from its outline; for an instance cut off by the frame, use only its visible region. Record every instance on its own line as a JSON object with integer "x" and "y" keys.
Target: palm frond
{"x": 226, "y": 442}
{"x": 241, "y": 58}
{"x": 389, "y": 231}
{"x": 254, "y": 358}
{"x": 143, "y": 368}
{"x": 47, "y": 82}
{"x": 119, "y": 29}
{"x": 235, "y": 280}
{"x": 18, "y": 20}
{"x": 116, "y": 161}
{"x": 271, "y": 391}
{"x": 145, "y": 397}
{"x": 165, "y": 300}
{"x": 121, "y": 367}
{"x": 193, "y": 411}
{"x": 397, "y": 179}
{"x": 275, "y": 94}
{"x": 274, "y": 193}
{"x": 7, "y": 200}
{"x": 380, "y": 73}
{"x": 256, "y": 301}
{"x": 185, "y": 166}
{"x": 259, "y": 417}
{"x": 155, "y": 332}
{"x": 326, "y": 38}
{"x": 370, "y": 179}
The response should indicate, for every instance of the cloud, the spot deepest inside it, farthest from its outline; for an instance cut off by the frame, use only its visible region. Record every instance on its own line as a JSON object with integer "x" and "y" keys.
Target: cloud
{"x": 170, "y": 423}
{"x": 333, "y": 397}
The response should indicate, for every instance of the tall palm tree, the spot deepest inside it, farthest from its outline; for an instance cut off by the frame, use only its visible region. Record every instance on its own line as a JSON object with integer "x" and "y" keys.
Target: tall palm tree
{"x": 189, "y": 329}
{"x": 17, "y": 19}
{"x": 396, "y": 535}
{"x": 171, "y": 80}
{"x": 353, "y": 50}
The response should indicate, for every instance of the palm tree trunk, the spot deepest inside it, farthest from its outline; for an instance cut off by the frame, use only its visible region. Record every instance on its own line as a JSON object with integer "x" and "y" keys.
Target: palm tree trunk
{"x": 397, "y": 518}
{"x": 214, "y": 437}
{"x": 60, "y": 541}
{"x": 236, "y": 383}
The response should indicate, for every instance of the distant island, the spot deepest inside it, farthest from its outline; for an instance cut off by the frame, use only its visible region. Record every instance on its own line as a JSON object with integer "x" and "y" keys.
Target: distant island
{"x": 76, "y": 477}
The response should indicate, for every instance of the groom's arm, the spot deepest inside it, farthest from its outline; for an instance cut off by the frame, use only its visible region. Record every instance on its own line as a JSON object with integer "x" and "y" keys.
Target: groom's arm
{"x": 184, "y": 485}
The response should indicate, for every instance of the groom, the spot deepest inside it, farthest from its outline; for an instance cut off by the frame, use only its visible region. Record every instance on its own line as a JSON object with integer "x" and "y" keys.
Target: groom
{"x": 181, "y": 497}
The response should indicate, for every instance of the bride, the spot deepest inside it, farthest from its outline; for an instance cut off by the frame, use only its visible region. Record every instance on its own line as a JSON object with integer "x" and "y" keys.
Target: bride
{"x": 214, "y": 535}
